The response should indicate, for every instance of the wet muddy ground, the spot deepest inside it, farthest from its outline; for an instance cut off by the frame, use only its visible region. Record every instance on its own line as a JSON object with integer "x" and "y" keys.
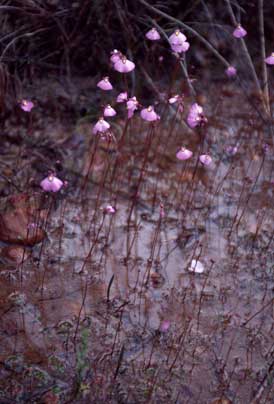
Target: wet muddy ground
{"x": 99, "y": 307}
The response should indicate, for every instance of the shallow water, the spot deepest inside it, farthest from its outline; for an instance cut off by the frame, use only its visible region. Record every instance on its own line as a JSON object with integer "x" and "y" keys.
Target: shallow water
{"x": 105, "y": 308}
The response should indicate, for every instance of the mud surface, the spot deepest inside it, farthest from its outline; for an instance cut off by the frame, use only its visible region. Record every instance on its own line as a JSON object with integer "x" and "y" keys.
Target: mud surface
{"x": 99, "y": 307}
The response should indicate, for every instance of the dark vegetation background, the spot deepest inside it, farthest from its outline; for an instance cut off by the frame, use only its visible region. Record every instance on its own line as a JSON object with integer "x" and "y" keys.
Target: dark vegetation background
{"x": 65, "y": 38}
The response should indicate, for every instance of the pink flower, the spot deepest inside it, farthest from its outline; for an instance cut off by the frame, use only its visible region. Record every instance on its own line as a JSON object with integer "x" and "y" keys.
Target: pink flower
{"x": 109, "y": 210}
{"x": 184, "y": 154}
{"x": 231, "y": 71}
{"x": 115, "y": 56}
{"x": 51, "y": 184}
{"x": 164, "y": 326}
{"x": 239, "y": 32}
{"x": 174, "y": 99}
{"x": 153, "y": 35}
{"x": 196, "y": 267}
{"x": 122, "y": 97}
{"x": 178, "y": 42}
{"x": 232, "y": 150}
{"x": 205, "y": 159}
{"x": 105, "y": 84}
{"x": 270, "y": 59}
{"x": 132, "y": 105}
{"x": 195, "y": 116}
{"x": 26, "y": 105}
{"x": 180, "y": 47}
{"x": 124, "y": 65}
{"x": 266, "y": 148}
{"x": 109, "y": 111}
{"x": 148, "y": 114}
{"x": 101, "y": 126}
{"x": 177, "y": 38}
{"x": 179, "y": 99}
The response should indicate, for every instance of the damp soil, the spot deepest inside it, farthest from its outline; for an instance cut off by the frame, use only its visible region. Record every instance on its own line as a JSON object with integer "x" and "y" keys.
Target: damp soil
{"x": 99, "y": 307}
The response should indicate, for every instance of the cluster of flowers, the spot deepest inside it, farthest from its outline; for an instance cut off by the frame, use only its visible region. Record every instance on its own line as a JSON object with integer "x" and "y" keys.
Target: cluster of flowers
{"x": 179, "y": 44}
{"x": 195, "y": 116}
{"x": 177, "y": 40}
{"x": 121, "y": 64}
{"x": 239, "y": 32}
{"x": 148, "y": 114}
{"x": 185, "y": 154}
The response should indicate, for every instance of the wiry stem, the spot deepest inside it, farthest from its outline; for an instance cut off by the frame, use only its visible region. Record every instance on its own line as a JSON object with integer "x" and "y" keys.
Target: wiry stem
{"x": 246, "y": 52}
{"x": 182, "y": 63}
{"x": 189, "y": 29}
{"x": 27, "y": 35}
{"x": 258, "y": 312}
{"x": 264, "y": 68}
{"x": 251, "y": 192}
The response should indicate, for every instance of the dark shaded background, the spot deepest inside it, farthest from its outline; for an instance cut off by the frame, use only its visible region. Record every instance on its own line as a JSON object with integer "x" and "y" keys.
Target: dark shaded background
{"x": 68, "y": 37}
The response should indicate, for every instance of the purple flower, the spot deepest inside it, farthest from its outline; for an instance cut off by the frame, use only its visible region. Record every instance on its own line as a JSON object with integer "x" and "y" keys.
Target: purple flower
{"x": 105, "y": 84}
{"x": 164, "y": 326}
{"x": 231, "y": 71}
{"x": 184, "y": 154}
{"x": 180, "y": 47}
{"x": 101, "y": 126}
{"x": 205, "y": 159}
{"x": 132, "y": 105}
{"x": 177, "y": 38}
{"x": 153, "y": 35}
{"x": 178, "y": 42}
{"x": 174, "y": 99}
{"x": 26, "y": 105}
{"x": 266, "y": 148}
{"x": 195, "y": 116}
{"x": 179, "y": 99}
{"x": 270, "y": 59}
{"x": 122, "y": 97}
{"x": 109, "y": 111}
{"x": 239, "y": 32}
{"x": 115, "y": 56}
{"x": 109, "y": 210}
{"x": 51, "y": 184}
{"x": 232, "y": 150}
{"x": 148, "y": 114}
{"x": 124, "y": 65}
{"x": 196, "y": 266}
